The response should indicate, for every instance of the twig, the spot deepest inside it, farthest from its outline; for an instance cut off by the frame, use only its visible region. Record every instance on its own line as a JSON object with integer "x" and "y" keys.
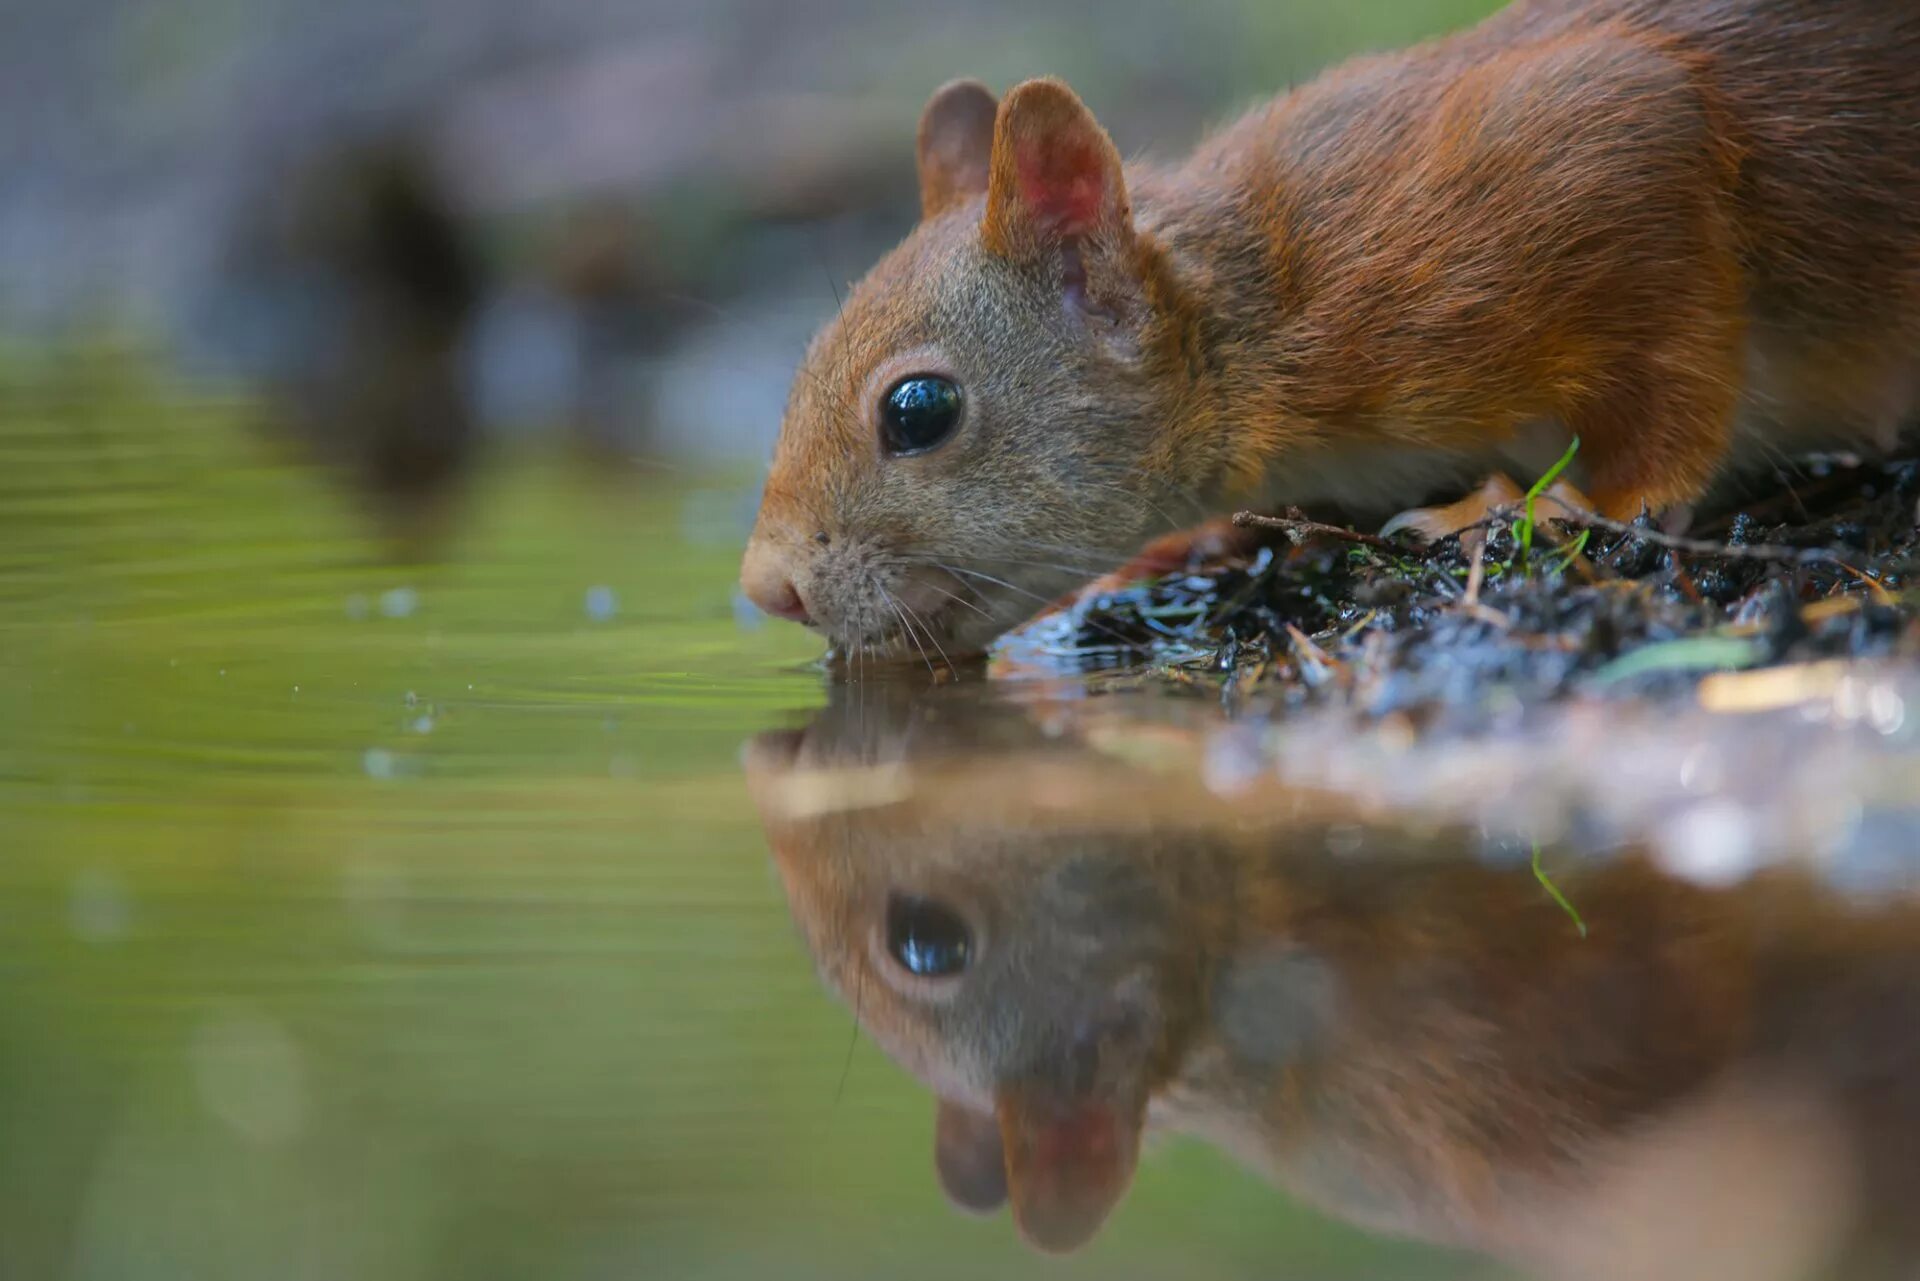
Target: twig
{"x": 1477, "y": 571}
{"x": 1307, "y": 645}
{"x": 1356, "y": 629}
{"x": 1241, "y": 683}
{"x": 1295, "y": 522}
{"x": 1702, "y": 547}
{"x": 1826, "y": 607}
{"x": 1488, "y": 614}
{"x": 1881, "y": 596}
{"x": 1684, "y": 581}
{"x": 1476, "y": 577}
{"x": 1167, "y": 671}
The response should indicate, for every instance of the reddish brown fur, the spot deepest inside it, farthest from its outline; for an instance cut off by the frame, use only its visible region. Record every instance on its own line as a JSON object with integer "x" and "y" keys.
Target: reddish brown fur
{"x": 1685, "y": 231}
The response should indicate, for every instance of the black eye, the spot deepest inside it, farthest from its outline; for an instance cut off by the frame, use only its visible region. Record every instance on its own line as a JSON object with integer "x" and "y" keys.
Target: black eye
{"x": 918, "y": 413}
{"x": 927, "y": 938}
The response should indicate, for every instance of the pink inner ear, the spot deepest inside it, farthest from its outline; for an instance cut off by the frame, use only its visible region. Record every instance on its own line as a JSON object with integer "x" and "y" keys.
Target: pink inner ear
{"x": 1063, "y": 183}
{"x": 1066, "y": 1173}
{"x": 1087, "y": 1139}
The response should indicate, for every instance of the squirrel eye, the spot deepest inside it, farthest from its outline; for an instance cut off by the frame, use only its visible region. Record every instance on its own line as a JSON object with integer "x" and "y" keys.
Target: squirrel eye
{"x": 926, "y": 938}
{"x": 917, "y": 413}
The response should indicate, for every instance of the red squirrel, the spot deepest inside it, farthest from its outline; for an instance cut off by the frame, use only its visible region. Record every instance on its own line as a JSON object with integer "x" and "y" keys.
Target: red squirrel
{"x": 1685, "y": 231}
{"x": 1070, "y": 950}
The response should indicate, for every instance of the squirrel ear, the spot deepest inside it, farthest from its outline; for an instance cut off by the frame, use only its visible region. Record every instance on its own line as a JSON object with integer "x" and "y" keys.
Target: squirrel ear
{"x": 1069, "y": 1161}
{"x": 1070, "y": 1125}
{"x": 967, "y": 1154}
{"x": 1055, "y": 173}
{"x": 954, "y": 145}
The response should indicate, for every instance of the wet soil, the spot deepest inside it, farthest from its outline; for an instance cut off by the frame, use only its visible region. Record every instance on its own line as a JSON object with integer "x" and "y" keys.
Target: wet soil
{"x": 1819, "y": 566}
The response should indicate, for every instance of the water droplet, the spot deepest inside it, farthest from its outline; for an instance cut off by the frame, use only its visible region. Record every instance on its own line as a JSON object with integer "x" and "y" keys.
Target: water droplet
{"x": 1886, "y": 710}
{"x": 375, "y": 898}
{"x": 1232, "y": 762}
{"x": 1344, "y": 840}
{"x": 99, "y": 909}
{"x": 249, "y": 1074}
{"x": 1700, "y": 769}
{"x": 1714, "y": 844}
{"x": 601, "y": 603}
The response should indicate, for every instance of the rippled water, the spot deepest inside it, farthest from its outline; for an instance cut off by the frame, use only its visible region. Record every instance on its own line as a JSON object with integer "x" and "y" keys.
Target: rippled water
{"x": 500, "y": 915}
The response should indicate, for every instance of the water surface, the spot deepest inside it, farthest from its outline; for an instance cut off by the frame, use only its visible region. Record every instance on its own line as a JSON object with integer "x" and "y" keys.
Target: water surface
{"x": 416, "y": 918}
{"x": 411, "y": 920}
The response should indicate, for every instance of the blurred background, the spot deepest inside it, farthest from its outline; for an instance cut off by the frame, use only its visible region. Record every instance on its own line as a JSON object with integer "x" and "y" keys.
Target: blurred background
{"x": 626, "y": 217}
{"x": 383, "y": 388}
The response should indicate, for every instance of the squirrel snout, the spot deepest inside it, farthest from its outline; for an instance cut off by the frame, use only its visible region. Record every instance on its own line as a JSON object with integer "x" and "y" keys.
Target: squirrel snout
{"x": 768, "y": 585}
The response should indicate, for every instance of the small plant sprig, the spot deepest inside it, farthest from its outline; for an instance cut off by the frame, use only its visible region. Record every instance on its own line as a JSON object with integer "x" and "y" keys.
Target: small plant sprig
{"x": 1540, "y": 875}
{"x": 1523, "y": 528}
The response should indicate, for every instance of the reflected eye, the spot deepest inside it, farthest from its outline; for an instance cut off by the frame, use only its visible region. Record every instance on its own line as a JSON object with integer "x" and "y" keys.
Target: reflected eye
{"x": 918, "y": 413}
{"x": 927, "y": 938}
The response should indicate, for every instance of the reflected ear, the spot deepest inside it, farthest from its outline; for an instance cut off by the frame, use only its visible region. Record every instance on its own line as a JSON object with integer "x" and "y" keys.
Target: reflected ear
{"x": 1071, "y": 1124}
{"x": 1055, "y": 175}
{"x": 955, "y": 145}
{"x": 968, "y": 1156}
{"x": 1068, "y": 1163}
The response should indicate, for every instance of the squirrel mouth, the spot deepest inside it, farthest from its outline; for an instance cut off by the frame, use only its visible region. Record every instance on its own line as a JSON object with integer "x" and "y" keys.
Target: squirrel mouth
{"x": 912, "y": 637}
{"x": 919, "y": 635}
{"x": 933, "y": 618}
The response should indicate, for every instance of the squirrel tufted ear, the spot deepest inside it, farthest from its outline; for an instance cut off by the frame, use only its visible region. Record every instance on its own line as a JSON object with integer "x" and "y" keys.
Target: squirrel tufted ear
{"x": 955, "y": 145}
{"x": 1055, "y": 173}
{"x": 1069, "y": 1162}
{"x": 1070, "y": 1124}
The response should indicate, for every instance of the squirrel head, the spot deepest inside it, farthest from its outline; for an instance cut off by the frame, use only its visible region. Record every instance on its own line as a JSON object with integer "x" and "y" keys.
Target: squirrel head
{"x": 974, "y": 432}
{"x": 1033, "y": 980}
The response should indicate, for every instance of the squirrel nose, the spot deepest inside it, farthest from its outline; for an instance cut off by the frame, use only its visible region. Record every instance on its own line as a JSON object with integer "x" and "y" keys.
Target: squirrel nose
{"x": 767, "y": 585}
{"x": 780, "y": 598}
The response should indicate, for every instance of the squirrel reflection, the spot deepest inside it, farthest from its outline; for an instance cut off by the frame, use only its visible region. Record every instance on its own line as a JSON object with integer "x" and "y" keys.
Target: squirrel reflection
{"x": 1070, "y": 951}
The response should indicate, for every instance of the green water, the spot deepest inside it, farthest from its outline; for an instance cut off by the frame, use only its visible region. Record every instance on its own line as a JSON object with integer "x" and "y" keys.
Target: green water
{"x": 396, "y": 921}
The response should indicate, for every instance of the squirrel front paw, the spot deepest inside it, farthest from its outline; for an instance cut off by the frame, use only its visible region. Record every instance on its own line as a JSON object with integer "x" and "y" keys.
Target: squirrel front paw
{"x": 1498, "y": 494}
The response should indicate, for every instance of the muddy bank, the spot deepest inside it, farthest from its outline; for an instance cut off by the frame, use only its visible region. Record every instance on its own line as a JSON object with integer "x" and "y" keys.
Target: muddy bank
{"x": 1517, "y": 612}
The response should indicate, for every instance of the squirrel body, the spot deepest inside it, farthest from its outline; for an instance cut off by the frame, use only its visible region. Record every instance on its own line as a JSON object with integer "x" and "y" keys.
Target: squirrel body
{"x": 1686, "y": 233}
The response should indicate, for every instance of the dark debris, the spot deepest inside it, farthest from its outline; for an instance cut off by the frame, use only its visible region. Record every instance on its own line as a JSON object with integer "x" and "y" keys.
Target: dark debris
{"x": 1313, "y": 617}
